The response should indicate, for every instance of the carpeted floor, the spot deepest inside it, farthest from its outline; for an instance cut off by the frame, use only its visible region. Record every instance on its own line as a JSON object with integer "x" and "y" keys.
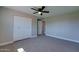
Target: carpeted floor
{"x": 42, "y": 44}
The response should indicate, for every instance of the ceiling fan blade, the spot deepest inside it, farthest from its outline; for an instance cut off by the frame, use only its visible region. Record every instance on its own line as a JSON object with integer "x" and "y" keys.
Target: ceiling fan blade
{"x": 35, "y": 12}
{"x": 34, "y": 9}
{"x": 45, "y": 11}
{"x": 42, "y": 7}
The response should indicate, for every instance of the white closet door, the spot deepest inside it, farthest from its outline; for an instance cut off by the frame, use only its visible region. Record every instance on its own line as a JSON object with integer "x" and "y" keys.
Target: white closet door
{"x": 22, "y": 28}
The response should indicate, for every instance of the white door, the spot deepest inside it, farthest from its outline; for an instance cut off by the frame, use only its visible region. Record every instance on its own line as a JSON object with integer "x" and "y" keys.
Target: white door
{"x": 22, "y": 28}
{"x": 39, "y": 27}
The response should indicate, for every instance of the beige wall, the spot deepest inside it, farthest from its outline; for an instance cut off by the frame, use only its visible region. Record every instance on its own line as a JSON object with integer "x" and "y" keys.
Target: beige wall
{"x": 34, "y": 27}
{"x": 0, "y": 23}
{"x": 63, "y": 26}
{"x": 6, "y": 18}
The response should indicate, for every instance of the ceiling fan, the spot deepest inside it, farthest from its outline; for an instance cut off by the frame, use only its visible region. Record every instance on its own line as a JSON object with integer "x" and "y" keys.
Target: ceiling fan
{"x": 40, "y": 10}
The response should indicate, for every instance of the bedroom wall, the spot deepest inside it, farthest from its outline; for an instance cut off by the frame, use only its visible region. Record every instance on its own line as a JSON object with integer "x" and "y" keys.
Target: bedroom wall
{"x": 0, "y": 23}
{"x": 6, "y": 18}
{"x": 6, "y": 26}
{"x": 34, "y": 27}
{"x": 63, "y": 27}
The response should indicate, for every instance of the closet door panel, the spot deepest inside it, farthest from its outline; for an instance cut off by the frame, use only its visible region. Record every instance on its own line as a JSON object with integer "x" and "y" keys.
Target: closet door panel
{"x": 22, "y": 28}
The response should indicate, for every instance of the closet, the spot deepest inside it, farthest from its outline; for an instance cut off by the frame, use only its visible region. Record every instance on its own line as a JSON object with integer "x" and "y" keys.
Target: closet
{"x": 22, "y": 28}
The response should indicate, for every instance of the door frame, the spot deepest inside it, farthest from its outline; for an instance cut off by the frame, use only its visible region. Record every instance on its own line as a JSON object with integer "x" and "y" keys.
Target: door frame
{"x": 43, "y": 26}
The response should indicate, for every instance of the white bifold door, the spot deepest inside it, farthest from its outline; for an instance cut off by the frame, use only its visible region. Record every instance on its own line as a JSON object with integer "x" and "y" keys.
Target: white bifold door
{"x": 22, "y": 28}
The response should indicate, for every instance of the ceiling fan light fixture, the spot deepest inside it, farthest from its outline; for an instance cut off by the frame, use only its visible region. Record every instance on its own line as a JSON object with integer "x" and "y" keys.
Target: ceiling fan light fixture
{"x": 39, "y": 12}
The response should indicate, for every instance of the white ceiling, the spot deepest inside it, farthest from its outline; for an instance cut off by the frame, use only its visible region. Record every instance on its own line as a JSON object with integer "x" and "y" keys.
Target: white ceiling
{"x": 54, "y": 10}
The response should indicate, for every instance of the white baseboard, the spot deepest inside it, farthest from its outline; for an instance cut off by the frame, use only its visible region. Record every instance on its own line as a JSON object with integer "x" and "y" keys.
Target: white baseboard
{"x": 2, "y": 44}
{"x": 62, "y": 38}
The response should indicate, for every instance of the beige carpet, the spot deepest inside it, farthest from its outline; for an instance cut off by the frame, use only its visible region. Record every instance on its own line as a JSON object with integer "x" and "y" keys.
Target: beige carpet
{"x": 42, "y": 44}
